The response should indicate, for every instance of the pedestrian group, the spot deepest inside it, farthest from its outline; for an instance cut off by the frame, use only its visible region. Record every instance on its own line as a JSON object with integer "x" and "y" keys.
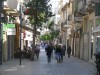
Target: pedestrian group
{"x": 50, "y": 49}
{"x": 59, "y": 51}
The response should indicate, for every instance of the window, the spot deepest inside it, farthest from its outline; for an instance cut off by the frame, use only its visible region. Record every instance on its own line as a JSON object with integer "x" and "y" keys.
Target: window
{"x": 97, "y": 21}
{"x": 97, "y": 9}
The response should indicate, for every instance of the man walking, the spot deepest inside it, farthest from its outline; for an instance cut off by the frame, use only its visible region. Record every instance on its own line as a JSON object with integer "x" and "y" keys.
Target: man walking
{"x": 69, "y": 51}
{"x": 48, "y": 50}
{"x": 63, "y": 50}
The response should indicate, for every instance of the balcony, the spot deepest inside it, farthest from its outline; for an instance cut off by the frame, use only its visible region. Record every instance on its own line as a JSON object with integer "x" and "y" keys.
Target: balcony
{"x": 67, "y": 22}
{"x": 77, "y": 26}
{"x": 80, "y": 11}
{"x": 89, "y": 7}
{"x": 78, "y": 19}
{"x": 88, "y": 1}
{"x": 80, "y": 5}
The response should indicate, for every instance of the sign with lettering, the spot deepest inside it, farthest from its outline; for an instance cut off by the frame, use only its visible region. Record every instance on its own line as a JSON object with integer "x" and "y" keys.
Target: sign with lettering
{"x": 11, "y": 31}
{"x": 10, "y": 25}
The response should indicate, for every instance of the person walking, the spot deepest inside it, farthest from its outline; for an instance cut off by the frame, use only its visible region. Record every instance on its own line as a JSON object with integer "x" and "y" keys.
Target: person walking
{"x": 58, "y": 53}
{"x": 69, "y": 51}
{"x": 37, "y": 51}
{"x": 48, "y": 50}
{"x": 52, "y": 50}
{"x": 63, "y": 49}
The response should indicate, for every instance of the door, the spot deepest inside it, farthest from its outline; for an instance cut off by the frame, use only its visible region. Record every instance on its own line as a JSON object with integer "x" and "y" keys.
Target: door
{"x": 98, "y": 45}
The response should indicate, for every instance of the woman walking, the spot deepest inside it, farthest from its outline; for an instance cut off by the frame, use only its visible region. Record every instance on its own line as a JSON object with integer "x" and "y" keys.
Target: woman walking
{"x": 58, "y": 53}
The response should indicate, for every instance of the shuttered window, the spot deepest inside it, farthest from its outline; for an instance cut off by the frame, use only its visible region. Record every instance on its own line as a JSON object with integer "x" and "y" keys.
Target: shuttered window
{"x": 97, "y": 9}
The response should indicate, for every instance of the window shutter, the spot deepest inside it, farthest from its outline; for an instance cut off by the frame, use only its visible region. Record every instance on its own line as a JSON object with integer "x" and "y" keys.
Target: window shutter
{"x": 97, "y": 9}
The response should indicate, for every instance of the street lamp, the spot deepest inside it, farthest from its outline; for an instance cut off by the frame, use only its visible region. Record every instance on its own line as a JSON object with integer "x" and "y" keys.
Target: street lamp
{"x": 12, "y": 4}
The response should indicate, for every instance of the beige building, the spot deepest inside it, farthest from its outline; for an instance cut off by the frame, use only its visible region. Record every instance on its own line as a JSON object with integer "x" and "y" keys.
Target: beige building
{"x": 80, "y": 20}
{"x": 65, "y": 13}
{"x": 85, "y": 23}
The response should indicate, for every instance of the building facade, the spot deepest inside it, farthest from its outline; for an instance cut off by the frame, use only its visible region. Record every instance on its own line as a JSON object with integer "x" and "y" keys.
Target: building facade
{"x": 80, "y": 20}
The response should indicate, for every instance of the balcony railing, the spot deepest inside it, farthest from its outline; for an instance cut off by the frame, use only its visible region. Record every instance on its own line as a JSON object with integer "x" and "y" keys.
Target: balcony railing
{"x": 81, "y": 4}
{"x": 88, "y": 1}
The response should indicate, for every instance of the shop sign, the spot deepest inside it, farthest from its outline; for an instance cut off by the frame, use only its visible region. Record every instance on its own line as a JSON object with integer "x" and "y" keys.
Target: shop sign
{"x": 11, "y": 31}
{"x": 10, "y": 25}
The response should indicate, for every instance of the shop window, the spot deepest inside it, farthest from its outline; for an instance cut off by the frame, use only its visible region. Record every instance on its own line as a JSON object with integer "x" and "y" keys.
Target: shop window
{"x": 98, "y": 44}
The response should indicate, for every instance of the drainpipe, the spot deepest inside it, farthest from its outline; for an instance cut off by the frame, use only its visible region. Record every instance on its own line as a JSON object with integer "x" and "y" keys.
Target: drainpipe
{"x": 0, "y": 33}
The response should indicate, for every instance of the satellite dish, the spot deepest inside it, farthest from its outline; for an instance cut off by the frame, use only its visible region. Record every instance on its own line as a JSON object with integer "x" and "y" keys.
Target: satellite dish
{"x": 12, "y": 4}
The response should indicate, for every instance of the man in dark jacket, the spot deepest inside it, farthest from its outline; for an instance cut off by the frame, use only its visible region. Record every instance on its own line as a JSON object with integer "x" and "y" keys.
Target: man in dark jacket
{"x": 68, "y": 51}
{"x": 63, "y": 50}
{"x": 48, "y": 50}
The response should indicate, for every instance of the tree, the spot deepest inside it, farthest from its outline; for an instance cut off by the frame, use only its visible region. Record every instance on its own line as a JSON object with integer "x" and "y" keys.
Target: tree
{"x": 38, "y": 11}
{"x": 53, "y": 33}
{"x": 45, "y": 37}
{"x": 49, "y": 36}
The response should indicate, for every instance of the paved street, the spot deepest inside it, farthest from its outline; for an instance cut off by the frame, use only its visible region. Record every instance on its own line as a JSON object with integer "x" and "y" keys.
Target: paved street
{"x": 70, "y": 66}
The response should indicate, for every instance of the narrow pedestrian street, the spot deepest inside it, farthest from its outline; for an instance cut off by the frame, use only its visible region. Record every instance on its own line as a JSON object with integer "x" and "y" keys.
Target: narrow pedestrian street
{"x": 70, "y": 66}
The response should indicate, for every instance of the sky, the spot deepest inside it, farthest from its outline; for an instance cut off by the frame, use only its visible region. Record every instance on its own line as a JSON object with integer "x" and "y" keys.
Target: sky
{"x": 54, "y": 5}
{"x": 55, "y": 8}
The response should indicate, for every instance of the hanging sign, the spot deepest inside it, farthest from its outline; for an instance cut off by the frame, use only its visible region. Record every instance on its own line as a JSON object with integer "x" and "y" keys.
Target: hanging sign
{"x": 11, "y": 31}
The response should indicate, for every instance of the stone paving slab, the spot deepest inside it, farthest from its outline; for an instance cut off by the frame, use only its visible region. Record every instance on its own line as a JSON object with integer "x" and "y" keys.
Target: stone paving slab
{"x": 70, "y": 66}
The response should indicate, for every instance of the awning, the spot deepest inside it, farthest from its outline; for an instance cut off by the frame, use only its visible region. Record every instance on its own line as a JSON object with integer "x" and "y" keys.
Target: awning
{"x": 27, "y": 28}
{"x": 30, "y": 29}
{"x": 97, "y": 29}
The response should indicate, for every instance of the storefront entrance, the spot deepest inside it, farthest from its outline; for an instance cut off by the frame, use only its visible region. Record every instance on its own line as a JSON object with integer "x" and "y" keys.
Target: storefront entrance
{"x": 98, "y": 44}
